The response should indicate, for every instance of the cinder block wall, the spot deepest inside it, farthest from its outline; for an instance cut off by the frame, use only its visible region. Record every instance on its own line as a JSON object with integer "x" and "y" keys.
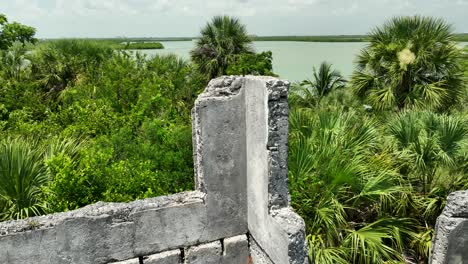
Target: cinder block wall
{"x": 239, "y": 213}
{"x": 450, "y": 245}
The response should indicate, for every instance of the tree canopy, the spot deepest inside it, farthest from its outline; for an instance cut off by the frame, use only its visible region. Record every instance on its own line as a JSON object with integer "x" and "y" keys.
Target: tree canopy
{"x": 410, "y": 62}
{"x": 221, "y": 39}
{"x": 14, "y": 32}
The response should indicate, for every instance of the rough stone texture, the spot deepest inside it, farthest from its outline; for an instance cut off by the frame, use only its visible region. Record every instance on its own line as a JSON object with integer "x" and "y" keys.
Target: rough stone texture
{"x": 219, "y": 137}
{"x": 210, "y": 253}
{"x": 168, "y": 257}
{"x": 457, "y": 205}
{"x": 273, "y": 225}
{"x": 232, "y": 250}
{"x": 236, "y": 250}
{"x": 103, "y": 233}
{"x": 240, "y": 137}
{"x": 120, "y": 212}
{"x": 451, "y": 238}
{"x": 257, "y": 254}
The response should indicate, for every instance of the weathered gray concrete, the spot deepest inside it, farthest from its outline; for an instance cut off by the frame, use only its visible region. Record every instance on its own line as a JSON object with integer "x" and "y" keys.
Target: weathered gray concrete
{"x": 210, "y": 253}
{"x": 103, "y": 233}
{"x": 240, "y": 136}
{"x": 450, "y": 245}
{"x": 236, "y": 250}
{"x": 231, "y": 250}
{"x": 219, "y": 147}
{"x": 168, "y": 257}
{"x": 273, "y": 225}
{"x": 257, "y": 254}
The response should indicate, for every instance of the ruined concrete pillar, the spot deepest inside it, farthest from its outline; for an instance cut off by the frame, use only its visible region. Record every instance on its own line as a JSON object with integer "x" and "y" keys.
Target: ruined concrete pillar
{"x": 241, "y": 129}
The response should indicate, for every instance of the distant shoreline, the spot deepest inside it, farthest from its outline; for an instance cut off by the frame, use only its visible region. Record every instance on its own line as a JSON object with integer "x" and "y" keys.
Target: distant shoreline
{"x": 460, "y": 37}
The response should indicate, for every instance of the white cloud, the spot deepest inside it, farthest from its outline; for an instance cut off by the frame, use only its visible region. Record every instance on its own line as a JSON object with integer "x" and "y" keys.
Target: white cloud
{"x": 25, "y": 10}
{"x": 94, "y": 8}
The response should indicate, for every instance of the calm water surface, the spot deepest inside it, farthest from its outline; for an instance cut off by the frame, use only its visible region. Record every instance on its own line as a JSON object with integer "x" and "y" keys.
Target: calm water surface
{"x": 291, "y": 60}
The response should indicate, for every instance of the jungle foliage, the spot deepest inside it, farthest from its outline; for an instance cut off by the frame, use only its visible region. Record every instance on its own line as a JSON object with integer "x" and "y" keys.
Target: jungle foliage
{"x": 224, "y": 47}
{"x": 11, "y": 32}
{"x": 370, "y": 180}
{"x": 425, "y": 72}
{"x": 125, "y": 117}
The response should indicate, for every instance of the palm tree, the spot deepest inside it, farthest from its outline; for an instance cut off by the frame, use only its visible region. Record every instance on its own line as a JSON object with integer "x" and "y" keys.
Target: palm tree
{"x": 343, "y": 190}
{"x": 410, "y": 61}
{"x": 13, "y": 62}
{"x": 58, "y": 64}
{"x": 220, "y": 40}
{"x": 359, "y": 188}
{"x": 324, "y": 82}
{"x": 431, "y": 145}
{"x": 22, "y": 173}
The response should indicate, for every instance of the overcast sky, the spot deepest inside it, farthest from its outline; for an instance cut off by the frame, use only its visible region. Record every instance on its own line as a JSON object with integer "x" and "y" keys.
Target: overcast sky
{"x": 177, "y": 18}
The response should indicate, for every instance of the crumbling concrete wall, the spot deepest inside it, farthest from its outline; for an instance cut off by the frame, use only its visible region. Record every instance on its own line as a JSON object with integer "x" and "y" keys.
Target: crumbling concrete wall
{"x": 240, "y": 211}
{"x": 450, "y": 245}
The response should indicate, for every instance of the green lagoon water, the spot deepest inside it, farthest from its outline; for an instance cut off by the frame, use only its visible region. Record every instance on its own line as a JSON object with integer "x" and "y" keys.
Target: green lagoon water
{"x": 292, "y": 60}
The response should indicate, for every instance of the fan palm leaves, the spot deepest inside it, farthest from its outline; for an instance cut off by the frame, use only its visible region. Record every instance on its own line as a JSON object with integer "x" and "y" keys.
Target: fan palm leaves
{"x": 326, "y": 80}
{"x": 59, "y": 63}
{"x": 410, "y": 61}
{"x": 378, "y": 242}
{"x": 321, "y": 253}
{"x": 221, "y": 39}
{"x": 13, "y": 62}
{"x": 22, "y": 173}
{"x": 331, "y": 180}
{"x": 430, "y": 142}
{"x": 370, "y": 191}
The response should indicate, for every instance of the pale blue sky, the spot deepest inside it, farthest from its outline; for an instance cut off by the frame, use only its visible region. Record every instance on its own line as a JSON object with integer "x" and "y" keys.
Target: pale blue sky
{"x": 166, "y": 18}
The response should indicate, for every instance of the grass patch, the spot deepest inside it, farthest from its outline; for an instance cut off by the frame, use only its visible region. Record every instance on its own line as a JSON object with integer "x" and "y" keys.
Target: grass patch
{"x": 140, "y": 45}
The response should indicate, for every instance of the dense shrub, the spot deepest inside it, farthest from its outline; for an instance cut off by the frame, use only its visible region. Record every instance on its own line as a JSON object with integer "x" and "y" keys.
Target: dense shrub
{"x": 133, "y": 112}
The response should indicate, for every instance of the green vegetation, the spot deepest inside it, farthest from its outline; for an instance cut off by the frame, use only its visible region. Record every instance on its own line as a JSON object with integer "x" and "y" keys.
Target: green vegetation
{"x": 461, "y": 37}
{"x": 311, "y": 92}
{"x": 465, "y": 61}
{"x": 251, "y": 63}
{"x": 141, "y": 45}
{"x": 371, "y": 161}
{"x": 425, "y": 72}
{"x": 371, "y": 180}
{"x": 363, "y": 184}
{"x": 117, "y": 43}
{"x": 129, "y": 114}
{"x": 22, "y": 175}
{"x": 225, "y": 48}
{"x": 221, "y": 39}
{"x": 14, "y": 32}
